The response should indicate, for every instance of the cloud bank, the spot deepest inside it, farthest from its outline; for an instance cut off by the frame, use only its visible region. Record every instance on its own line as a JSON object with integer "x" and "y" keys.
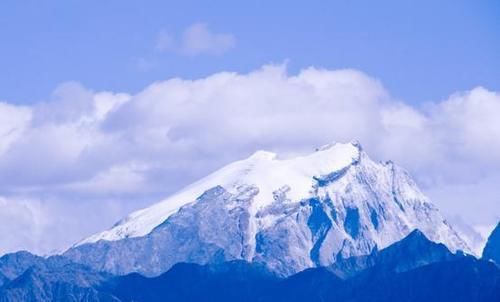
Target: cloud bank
{"x": 81, "y": 159}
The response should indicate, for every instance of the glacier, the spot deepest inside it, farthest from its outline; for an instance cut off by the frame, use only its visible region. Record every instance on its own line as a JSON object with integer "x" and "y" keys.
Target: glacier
{"x": 290, "y": 214}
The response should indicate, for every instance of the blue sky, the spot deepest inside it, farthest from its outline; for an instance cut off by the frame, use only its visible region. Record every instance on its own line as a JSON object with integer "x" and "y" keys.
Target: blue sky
{"x": 421, "y": 50}
{"x": 109, "y": 106}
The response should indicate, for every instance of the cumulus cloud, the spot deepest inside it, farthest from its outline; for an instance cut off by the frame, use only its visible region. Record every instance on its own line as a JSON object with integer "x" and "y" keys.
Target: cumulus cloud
{"x": 473, "y": 116}
{"x": 13, "y": 121}
{"x": 124, "y": 151}
{"x": 197, "y": 39}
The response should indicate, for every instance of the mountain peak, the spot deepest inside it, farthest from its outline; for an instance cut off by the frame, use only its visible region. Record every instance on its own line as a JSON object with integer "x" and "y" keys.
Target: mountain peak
{"x": 356, "y": 144}
{"x": 290, "y": 214}
{"x": 415, "y": 240}
{"x": 263, "y": 155}
{"x": 353, "y": 143}
{"x": 416, "y": 234}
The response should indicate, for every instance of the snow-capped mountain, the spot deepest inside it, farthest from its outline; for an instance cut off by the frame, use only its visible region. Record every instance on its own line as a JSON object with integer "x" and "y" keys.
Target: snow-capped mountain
{"x": 293, "y": 178}
{"x": 290, "y": 214}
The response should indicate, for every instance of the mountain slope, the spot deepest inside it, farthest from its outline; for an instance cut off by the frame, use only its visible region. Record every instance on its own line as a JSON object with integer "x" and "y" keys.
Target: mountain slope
{"x": 230, "y": 281}
{"x": 492, "y": 249}
{"x": 413, "y": 251}
{"x": 65, "y": 284}
{"x": 12, "y": 265}
{"x": 34, "y": 278}
{"x": 289, "y": 214}
{"x": 3, "y": 279}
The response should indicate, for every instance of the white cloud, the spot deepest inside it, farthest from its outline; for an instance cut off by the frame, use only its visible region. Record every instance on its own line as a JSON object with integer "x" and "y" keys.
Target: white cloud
{"x": 48, "y": 226}
{"x": 101, "y": 146}
{"x": 13, "y": 120}
{"x": 473, "y": 117}
{"x": 117, "y": 179}
{"x": 197, "y": 39}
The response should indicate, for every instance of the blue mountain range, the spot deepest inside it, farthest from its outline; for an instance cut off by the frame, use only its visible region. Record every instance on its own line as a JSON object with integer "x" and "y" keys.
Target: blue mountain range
{"x": 413, "y": 269}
